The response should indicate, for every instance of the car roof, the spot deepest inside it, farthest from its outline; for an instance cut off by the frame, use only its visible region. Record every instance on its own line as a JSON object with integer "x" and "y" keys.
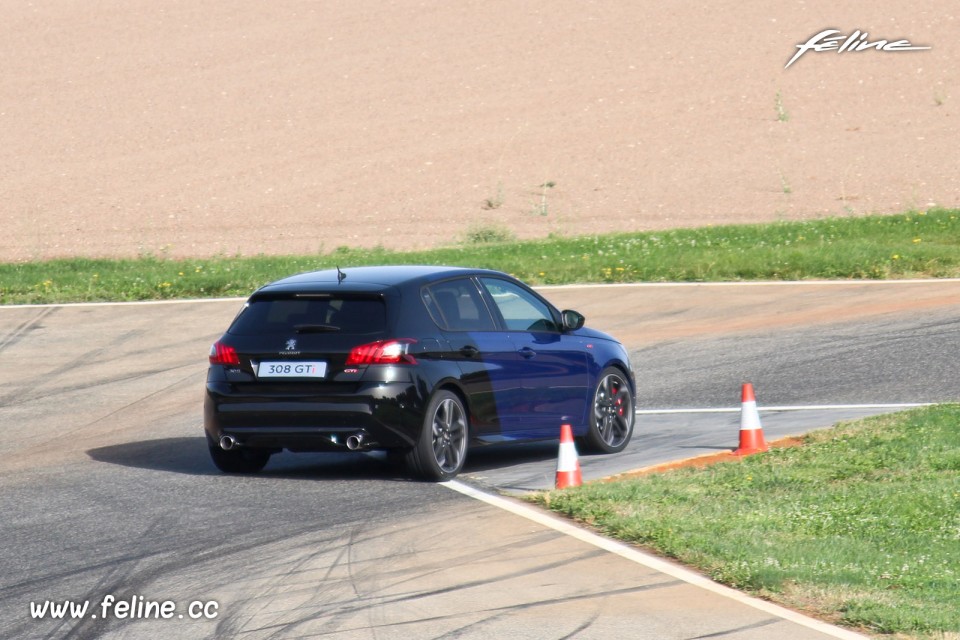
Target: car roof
{"x": 371, "y": 278}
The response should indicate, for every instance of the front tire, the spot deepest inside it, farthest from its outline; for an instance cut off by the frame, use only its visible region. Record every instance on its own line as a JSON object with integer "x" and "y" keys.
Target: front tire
{"x": 441, "y": 448}
{"x": 612, "y": 415}
{"x": 238, "y": 460}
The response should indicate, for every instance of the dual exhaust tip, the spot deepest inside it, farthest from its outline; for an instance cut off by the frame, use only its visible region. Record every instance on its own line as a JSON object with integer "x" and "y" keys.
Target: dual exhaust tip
{"x": 355, "y": 442}
{"x": 359, "y": 441}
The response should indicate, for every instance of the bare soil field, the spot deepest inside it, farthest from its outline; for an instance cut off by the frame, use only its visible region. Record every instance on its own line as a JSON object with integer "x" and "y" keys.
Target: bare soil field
{"x": 193, "y": 129}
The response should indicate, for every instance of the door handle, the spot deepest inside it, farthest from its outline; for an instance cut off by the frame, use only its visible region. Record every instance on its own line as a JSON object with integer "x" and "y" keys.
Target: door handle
{"x": 469, "y": 351}
{"x": 527, "y": 352}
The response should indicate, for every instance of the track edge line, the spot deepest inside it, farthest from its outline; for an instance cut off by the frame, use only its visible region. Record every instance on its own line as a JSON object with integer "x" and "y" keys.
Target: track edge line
{"x": 648, "y": 560}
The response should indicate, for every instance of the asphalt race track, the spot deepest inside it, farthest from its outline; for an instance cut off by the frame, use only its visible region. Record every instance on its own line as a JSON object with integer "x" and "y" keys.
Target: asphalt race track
{"x": 107, "y": 490}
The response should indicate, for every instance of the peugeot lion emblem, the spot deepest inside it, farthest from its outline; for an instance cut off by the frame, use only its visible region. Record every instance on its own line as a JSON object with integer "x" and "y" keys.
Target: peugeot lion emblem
{"x": 291, "y": 344}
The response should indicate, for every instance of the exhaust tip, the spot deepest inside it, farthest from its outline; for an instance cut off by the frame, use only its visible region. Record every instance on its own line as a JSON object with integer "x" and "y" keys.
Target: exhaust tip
{"x": 355, "y": 441}
{"x": 228, "y": 442}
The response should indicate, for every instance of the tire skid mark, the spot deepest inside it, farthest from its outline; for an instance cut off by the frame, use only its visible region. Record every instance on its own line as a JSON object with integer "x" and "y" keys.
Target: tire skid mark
{"x": 333, "y": 614}
{"x": 321, "y": 608}
{"x": 497, "y": 612}
{"x": 494, "y": 553}
{"x": 17, "y": 398}
{"x": 328, "y": 601}
{"x": 257, "y": 603}
{"x": 135, "y": 573}
{"x": 116, "y": 581}
{"x": 327, "y": 583}
{"x": 748, "y": 627}
{"x": 86, "y": 358}
{"x": 944, "y": 327}
{"x": 64, "y": 434}
{"x": 117, "y": 572}
{"x": 25, "y": 327}
{"x": 19, "y": 588}
{"x": 475, "y": 626}
{"x": 356, "y": 581}
{"x": 340, "y": 615}
{"x": 583, "y": 627}
{"x": 115, "y": 576}
{"x": 464, "y": 561}
{"x": 117, "y": 341}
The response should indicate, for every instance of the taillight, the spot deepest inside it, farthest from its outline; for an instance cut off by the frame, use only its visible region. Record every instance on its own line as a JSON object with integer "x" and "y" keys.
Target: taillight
{"x": 223, "y": 354}
{"x": 383, "y": 352}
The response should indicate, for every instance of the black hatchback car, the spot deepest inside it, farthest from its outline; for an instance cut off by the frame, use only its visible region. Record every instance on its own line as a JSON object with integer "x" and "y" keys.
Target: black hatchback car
{"x": 418, "y": 361}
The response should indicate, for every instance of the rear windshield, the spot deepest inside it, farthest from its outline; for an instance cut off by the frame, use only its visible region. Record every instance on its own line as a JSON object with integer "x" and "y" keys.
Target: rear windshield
{"x": 349, "y": 315}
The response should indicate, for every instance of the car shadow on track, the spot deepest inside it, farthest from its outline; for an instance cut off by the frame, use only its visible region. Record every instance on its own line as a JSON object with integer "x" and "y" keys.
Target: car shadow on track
{"x": 177, "y": 455}
{"x": 189, "y": 456}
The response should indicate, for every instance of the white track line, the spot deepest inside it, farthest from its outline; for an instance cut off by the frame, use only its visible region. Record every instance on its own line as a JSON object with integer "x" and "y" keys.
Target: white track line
{"x": 648, "y": 560}
{"x": 818, "y": 407}
{"x": 752, "y": 283}
{"x": 615, "y": 285}
{"x": 132, "y": 303}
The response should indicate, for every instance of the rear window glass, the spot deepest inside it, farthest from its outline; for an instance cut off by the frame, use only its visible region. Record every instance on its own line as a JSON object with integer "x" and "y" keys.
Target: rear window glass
{"x": 350, "y": 315}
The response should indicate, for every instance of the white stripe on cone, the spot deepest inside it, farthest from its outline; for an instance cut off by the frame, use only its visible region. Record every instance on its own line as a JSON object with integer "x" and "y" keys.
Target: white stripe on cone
{"x": 751, "y": 431}
{"x": 749, "y": 417}
{"x": 568, "y": 464}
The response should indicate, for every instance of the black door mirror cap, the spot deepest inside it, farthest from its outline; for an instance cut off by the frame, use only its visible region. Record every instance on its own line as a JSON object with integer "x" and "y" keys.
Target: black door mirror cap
{"x": 572, "y": 320}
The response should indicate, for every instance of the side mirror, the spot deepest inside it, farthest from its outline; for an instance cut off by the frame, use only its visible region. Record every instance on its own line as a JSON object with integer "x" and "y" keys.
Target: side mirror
{"x": 571, "y": 320}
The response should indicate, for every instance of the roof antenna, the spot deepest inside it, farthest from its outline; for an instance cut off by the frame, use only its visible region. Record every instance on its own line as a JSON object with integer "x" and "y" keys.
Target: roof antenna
{"x": 341, "y": 276}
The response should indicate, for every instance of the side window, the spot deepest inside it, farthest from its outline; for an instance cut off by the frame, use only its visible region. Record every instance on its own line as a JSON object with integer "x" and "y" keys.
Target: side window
{"x": 456, "y": 305}
{"x": 521, "y": 310}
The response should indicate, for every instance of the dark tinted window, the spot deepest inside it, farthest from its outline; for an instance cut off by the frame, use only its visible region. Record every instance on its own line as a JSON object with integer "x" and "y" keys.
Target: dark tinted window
{"x": 521, "y": 310}
{"x": 456, "y": 305}
{"x": 352, "y": 315}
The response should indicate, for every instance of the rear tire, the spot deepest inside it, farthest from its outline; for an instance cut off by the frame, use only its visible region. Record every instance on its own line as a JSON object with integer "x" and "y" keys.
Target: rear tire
{"x": 612, "y": 415}
{"x": 238, "y": 460}
{"x": 441, "y": 448}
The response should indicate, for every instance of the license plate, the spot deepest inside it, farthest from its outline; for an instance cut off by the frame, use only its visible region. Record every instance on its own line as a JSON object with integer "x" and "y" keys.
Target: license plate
{"x": 292, "y": 370}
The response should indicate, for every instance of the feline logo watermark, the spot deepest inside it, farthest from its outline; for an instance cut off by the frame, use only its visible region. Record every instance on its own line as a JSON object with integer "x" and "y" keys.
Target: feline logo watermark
{"x": 834, "y": 40}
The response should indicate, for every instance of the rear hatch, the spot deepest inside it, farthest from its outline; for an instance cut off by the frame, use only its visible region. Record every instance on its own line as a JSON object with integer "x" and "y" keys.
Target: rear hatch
{"x": 289, "y": 342}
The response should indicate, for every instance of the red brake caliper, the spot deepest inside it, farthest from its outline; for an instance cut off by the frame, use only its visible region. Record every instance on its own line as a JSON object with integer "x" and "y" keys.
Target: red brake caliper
{"x": 616, "y": 393}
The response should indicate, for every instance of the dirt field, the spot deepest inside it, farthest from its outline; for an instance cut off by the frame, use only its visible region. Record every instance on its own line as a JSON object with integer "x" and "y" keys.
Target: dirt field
{"x": 190, "y": 129}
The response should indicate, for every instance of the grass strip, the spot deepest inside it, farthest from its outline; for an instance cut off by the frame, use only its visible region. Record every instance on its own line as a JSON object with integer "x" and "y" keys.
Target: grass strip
{"x": 859, "y": 525}
{"x": 918, "y": 244}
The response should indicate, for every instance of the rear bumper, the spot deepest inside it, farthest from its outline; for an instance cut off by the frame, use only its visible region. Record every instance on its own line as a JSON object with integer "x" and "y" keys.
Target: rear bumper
{"x": 386, "y": 415}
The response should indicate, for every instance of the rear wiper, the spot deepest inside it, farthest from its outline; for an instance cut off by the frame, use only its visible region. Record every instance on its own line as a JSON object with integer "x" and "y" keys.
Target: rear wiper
{"x": 315, "y": 328}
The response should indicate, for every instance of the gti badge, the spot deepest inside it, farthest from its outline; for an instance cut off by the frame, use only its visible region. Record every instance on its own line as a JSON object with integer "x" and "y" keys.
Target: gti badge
{"x": 291, "y": 344}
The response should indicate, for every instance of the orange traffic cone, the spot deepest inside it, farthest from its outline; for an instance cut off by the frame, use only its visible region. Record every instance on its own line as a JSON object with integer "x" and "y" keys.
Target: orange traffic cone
{"x": 751, "y": 431}
{"x": 568, "y": 465}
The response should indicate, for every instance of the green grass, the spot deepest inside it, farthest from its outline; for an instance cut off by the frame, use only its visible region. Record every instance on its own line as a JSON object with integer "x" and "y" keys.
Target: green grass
{"x": 918, "y": 244}
{"x": 860, "y": 524}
